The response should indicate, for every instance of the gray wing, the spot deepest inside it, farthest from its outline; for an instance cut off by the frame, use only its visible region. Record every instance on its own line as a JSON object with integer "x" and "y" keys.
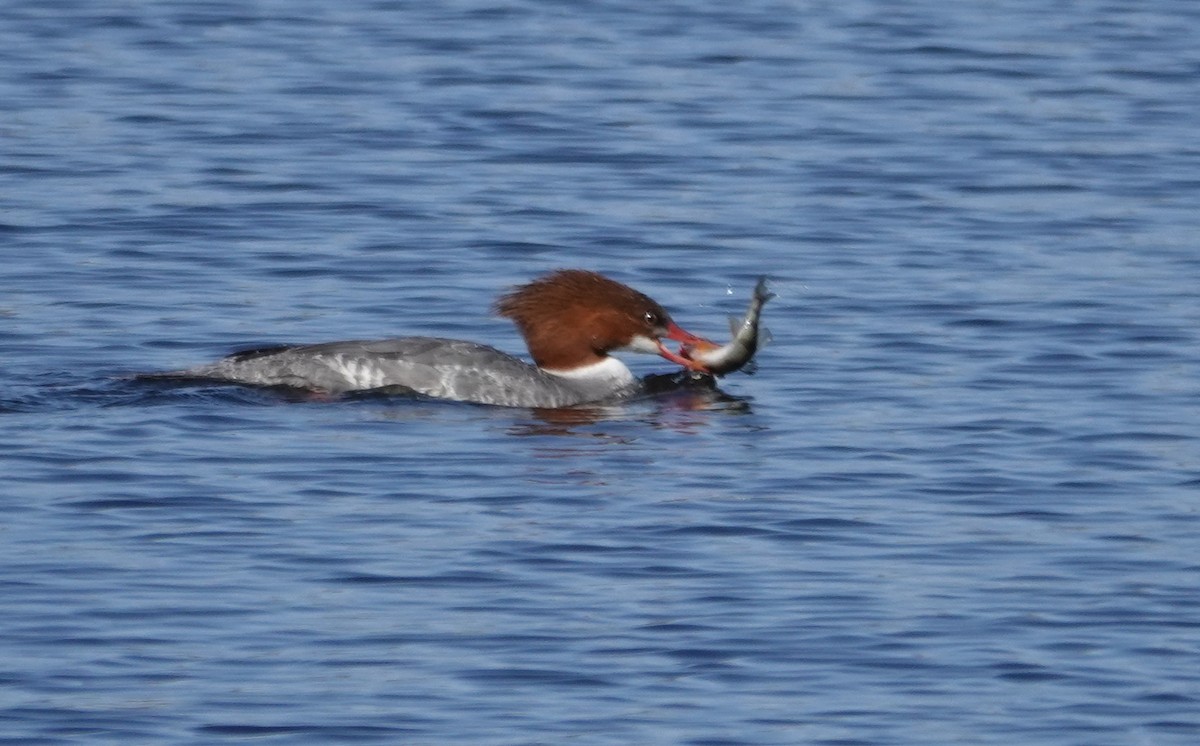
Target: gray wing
{"x": 445, "y": 368}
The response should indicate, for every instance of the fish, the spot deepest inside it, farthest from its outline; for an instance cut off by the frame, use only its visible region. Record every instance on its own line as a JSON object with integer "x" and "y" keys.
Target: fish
{"x": 738, "y": 353}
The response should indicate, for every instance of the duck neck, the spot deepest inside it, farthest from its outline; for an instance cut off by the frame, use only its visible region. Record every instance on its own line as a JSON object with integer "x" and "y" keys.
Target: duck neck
{"x": 608, "y": 371}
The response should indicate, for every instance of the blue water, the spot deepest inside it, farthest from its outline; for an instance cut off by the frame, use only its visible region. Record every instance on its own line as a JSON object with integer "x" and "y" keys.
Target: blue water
{"x": 958, "y": 503}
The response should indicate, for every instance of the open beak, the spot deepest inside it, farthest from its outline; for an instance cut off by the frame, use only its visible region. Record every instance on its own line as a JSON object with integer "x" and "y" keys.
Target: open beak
{"x": 675, "y": 332}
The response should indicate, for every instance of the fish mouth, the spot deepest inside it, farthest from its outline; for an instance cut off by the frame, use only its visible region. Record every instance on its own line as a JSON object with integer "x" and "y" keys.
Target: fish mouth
{"x": 688, "y": 343}
{"x": 689, "y": 350}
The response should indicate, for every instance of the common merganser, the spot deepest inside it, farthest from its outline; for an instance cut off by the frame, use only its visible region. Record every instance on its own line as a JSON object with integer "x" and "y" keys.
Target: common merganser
{"x": 570, "y": 319}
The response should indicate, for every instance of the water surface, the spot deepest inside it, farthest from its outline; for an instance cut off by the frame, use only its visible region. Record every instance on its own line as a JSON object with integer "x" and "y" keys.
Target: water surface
{"x": 957, "y": 504}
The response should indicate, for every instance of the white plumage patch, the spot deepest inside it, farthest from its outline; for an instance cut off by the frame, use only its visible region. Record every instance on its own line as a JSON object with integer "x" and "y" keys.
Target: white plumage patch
{"x": 641, "y": 343}
{"x": 359, "y": 374}
{"x": 609, "y": 369}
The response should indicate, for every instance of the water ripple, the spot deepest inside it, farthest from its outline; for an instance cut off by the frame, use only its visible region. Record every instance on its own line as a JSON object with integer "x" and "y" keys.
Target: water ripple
{"x": 956, "y": 504}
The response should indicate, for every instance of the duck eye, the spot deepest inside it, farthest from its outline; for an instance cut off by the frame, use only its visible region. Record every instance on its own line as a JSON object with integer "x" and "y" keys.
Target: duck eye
{"x": 651, "y": 318}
